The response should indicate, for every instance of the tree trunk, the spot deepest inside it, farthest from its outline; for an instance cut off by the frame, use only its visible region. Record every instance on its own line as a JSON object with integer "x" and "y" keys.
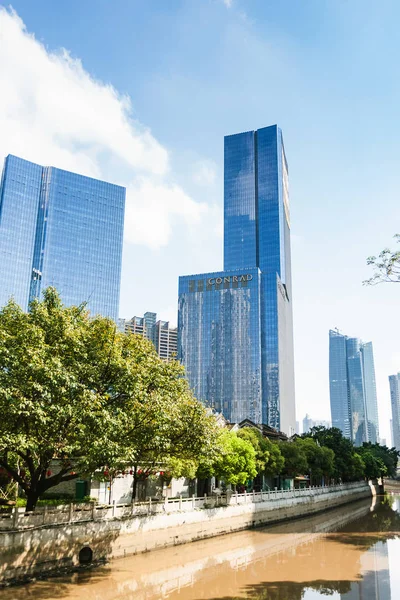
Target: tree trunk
{"x": 32, "y": 496}
{"x": 134, "y": 485}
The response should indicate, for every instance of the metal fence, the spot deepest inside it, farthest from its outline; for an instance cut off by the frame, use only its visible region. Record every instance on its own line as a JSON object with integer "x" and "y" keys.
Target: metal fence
{"x": 19, "y": 519}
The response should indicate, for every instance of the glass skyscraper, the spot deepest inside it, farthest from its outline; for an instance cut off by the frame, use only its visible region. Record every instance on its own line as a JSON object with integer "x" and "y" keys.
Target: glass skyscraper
{"x": 354, "y": 406}
{"x": 235, "y": 326}
{"x": 61, "y": 229}
{"x": 394, "y": 382}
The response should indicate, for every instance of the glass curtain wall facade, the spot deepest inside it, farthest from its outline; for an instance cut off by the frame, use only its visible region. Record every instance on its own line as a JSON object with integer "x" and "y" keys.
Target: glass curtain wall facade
{"x": 338, "y": 383}
{"x": 394, "y": 383}
{"x": 220, "y": 341}
{"x": 371, "y": 401}
{"x": 61, "y": 229}
{"x": 354, "y": 407}
{"x": 356, "y": 392}
{"x": 257, "y": 236}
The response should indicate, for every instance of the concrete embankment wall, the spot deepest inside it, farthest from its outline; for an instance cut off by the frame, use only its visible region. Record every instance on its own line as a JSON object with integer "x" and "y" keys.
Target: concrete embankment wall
{"x": 49, "y": 548}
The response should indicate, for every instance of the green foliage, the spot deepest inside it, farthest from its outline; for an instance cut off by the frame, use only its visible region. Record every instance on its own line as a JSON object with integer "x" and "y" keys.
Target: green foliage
{"x": 320, "y": 459}
{"x": 345, "y": 466}
{"x": 180, "y": 467}
{"x": 73, "y": 388}
{"x": 295, "y": 458}
{"x": 380, "y": 460}
{"x": 370, "y": 460}
{"x": 235, "y": 461}
{"x": 386, "y": 266}
{"x": 374, "y": 467}
{"x": 269, "y": 459}
{"x": 358, "y": 466}
{"x": 59, "y": 501}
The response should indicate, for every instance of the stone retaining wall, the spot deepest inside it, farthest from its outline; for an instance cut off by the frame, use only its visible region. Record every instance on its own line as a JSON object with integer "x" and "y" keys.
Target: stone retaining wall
{"x": 50, "y": 548}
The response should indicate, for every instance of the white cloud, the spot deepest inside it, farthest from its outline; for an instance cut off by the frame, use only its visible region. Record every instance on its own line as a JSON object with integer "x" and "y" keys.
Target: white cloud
{"x": 153, "y": 209}
{"x": 228, "y": 3}
{"x": 54, "y": 113}
{"x": 205, "y": 172}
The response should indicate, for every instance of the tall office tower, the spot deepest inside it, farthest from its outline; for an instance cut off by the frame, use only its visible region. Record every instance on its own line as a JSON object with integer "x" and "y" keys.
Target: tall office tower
{"x": 394, "y": 383}
{"x": 61, "y": 229}
{"x": 163, "y": 336}
{"x": 354, "y": 406}
{"x": 236, "y": 326}
{"x": 370, "y": 392}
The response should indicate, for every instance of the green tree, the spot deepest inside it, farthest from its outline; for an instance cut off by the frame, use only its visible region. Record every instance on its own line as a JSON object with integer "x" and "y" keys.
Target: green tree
{"x": 386, "y": 266}
{"x": 333, "y": 438}
{"x": 74, "y": 389}
{"x": 269, "y": 459}
{"x": 357, "y": 466}
{"x": 320, "y": 459}
{"x": 374, "y": 467}
{"x": 276, "y": 461}
{"x": 295, "y": 458}
{"x": 235, "y": 460}
{"x": 386, "y": 459}
{"x": 165, "y": 422}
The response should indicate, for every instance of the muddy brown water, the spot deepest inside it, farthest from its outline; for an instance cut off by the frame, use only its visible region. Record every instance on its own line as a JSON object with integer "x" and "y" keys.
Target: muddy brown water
{"x": 351, "y": 553}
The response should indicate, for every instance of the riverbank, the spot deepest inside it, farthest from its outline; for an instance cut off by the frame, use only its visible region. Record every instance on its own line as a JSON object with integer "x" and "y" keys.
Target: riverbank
{"x": 45, "y": 548}
{"x": 392, "y": 485}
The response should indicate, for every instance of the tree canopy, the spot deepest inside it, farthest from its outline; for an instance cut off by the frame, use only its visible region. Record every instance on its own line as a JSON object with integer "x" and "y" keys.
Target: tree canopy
{"x": 75, "y": 389}
{"x": 235, "y": 460}
{"x": 295, "y": 458}
{"x": 320, "y": 459}
{"x": 386, "y": 266}
{"x": 346, "y": 466}
{"x": 380, "y": 461}
{"x": 269, "y": 459}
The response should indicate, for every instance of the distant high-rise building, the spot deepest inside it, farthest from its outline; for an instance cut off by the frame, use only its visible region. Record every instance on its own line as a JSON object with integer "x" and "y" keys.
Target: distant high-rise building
{"x": 163, "y": 336}
{"x": 354, "y": 406}
{"x": 60, "y": 229}
{"x": 394, "y": 383}
{"x": 371, "y": 402}
{"x": 166, "y": 340}
{"x": 235, "y": 326}
{"x": 150, "y": 319}
{"x": 309, "y": 423}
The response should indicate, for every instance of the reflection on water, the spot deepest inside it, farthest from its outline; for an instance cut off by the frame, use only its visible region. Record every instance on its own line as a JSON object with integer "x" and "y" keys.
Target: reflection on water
{"x": 375, "y": 581}
{"x": 351, "y": 553}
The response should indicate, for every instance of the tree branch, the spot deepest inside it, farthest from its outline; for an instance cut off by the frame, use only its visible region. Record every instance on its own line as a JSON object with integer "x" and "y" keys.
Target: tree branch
{"x": 14, "y": 474}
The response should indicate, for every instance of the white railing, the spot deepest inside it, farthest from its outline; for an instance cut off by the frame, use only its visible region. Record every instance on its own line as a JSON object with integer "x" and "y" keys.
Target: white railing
{"x": 72, "y": 513}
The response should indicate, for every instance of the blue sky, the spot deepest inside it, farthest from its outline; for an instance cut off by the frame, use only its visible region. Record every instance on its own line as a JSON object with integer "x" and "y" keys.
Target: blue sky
{"x": 326, "y": 71}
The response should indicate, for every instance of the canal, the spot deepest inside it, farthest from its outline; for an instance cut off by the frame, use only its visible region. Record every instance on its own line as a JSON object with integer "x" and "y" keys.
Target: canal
{"x": 351, "y": 553}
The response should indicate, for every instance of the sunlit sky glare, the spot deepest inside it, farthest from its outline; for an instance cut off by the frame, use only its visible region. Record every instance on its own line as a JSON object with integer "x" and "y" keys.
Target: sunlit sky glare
{"x": 141, "y": 93}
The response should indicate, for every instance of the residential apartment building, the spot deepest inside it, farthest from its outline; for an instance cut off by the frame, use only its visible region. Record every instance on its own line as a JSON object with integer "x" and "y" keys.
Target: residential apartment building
{"x": 163, "y": 336}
